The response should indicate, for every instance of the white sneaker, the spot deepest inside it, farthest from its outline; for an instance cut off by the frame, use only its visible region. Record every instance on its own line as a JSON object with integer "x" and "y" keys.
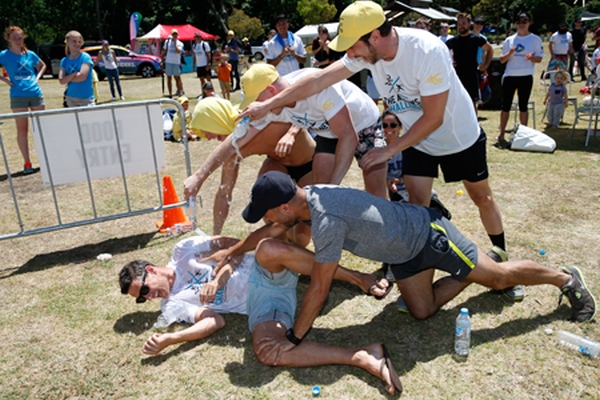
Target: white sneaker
{"x": 113, "y": 99}
{"x": 122, "y": 97}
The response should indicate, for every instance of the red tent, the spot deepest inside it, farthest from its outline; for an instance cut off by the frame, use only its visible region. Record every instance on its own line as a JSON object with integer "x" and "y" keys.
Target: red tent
{"x": 186, "y": 32}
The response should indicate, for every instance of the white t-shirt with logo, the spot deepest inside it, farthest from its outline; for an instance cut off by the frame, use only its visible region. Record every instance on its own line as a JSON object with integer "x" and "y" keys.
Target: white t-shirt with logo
{"x": 191, "y": 275}
{"x": 560, "y": 42}
{"x": 172, "y": 56}
{"x": 517, "y": 65}
{"x": 314, "y": 112}
{"x": 423, "y": 67}
{"x": 201, "y": 50}
{"x": 289, "y": 62}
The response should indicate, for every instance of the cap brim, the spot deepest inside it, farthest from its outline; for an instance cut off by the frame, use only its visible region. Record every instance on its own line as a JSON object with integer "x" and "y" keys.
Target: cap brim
{"x": 246, "y": 102}
{"x": 342, "y": 43}
{"x": 252, "y": 215}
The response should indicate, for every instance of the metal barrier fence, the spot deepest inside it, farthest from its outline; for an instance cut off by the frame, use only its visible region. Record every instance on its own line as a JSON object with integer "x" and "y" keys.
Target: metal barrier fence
{"x": 44, "y": 139}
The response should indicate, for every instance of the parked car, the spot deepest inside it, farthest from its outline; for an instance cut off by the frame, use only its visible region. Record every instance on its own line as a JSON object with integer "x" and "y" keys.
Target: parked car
{"x": 128, "y": 62}
{"x": 51, "y": 54}
{"x": 257, "y": 50}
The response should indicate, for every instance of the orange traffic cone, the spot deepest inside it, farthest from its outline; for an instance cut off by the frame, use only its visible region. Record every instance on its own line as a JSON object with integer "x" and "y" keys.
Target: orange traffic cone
{"x": 174, "y": 215}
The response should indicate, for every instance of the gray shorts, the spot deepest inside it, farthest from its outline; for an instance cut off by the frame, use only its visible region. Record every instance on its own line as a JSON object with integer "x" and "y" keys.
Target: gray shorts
{"x": 271, "y": 297}
{"x": 446, "y": 249}
{"x": 26, "y": 102}
{"x": 79, "y": 102}
{"x": 172, "y": 69}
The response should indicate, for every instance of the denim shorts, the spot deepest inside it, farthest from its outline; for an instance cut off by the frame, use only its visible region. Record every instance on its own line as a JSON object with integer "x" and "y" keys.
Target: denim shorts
{"x": 172, "y": 69}
{"x": 271, "y": 297}
{"x": 26, "y": 102}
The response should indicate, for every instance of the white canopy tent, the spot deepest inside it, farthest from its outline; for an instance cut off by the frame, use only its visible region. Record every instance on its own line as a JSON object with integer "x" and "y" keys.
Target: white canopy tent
{"x": 309, "y": 32}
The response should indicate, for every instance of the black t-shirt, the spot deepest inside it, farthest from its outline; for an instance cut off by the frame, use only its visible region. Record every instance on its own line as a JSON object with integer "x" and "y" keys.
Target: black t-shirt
{"x": 578, "y": 38}
{"x": 465, "y": 50}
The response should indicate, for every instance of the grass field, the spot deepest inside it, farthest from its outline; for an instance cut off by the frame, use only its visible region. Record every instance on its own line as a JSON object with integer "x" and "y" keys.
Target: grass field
{"x": 69, "y": 333}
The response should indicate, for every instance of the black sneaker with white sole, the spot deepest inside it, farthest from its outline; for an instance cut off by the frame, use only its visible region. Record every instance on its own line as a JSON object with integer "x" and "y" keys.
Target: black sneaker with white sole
{"x": 583, "y": 304}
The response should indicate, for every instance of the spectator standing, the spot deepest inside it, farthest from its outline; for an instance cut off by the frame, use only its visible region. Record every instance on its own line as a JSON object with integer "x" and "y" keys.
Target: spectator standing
{"x": 579, "y": 34}
{"x": 24, "y": 69}
{"x": 172, "y": 52}
{"x": 224, "y": 74}
{"x": 465, "y": 47}
{"x": 233, "y": 49}
{"x": 286, "y": 51}
{"x": 560, "y": 46}
{"x": 558, "y": 99}
{"x": 444, "y": 36}
{"x": 76, "y": 72}
{"x": 109, "y": 58}
{"x": 320, "y": 48}
{"x": 594, "y": 61}
{"x": 423, "y": 23}
{"x": 202, "y": 59}
{"x": 520, "y": 52}
{"x": 265, "y": 44}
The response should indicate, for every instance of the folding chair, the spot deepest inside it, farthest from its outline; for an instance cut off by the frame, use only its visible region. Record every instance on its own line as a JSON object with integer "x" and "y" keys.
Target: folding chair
{"x": 530, "y": 106}
{"x": 547, "y": 80}
{"x": 590, "y": 111}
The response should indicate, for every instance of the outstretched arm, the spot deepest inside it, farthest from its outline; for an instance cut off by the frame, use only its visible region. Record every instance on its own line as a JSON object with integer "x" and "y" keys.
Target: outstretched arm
{"x": 305, "y": 87}
{"x": 207, "y": 323}
{"x": 341, "y": 125}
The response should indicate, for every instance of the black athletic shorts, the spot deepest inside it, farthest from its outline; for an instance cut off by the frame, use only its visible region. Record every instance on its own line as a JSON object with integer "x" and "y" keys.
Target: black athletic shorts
{"x": 202, "y": 72}
{"x": 469, "y": 165}
{"x": 298, "y": 172}
{"x": 446, "y": 249}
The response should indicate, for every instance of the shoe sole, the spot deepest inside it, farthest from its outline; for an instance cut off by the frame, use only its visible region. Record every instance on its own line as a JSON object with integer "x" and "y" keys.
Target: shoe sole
{"x": 571, "y": 271}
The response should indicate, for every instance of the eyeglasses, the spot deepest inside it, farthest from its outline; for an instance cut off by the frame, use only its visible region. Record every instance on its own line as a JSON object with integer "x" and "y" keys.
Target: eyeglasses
{"x": 144, "y": 290}
{"x": 391, "y": 125}
{"x": 522, "y": 21}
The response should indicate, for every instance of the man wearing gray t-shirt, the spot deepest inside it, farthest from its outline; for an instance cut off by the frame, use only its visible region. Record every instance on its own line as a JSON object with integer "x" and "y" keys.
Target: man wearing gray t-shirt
{"x": 414, "y": 240}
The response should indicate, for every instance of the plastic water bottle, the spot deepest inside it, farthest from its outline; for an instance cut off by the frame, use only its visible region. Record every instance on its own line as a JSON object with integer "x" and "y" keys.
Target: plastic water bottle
{"x": 239, "y": 132}
{"x": 575, "y": 342}
{"x": 462, "y": 333}
{"x": 191, "y": 210}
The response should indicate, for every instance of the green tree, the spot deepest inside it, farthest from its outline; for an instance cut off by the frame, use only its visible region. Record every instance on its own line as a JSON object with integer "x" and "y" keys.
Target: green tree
{"x": 243, "y": 25}
{"x": 316, "y": 11}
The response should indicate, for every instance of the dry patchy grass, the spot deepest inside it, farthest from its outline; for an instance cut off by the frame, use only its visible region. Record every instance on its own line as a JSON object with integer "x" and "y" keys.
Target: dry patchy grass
{"x": 69, "y": 333}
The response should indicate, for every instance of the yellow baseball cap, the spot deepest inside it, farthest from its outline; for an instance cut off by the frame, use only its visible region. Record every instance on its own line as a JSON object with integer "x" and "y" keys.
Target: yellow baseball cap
{"x": 183, "y": 99}
{"x": 255, "y": 80}
{"x": 214, "y": 115}
{"x": 174, "y": 31}
{"x": 358, "y": 19}
{"x": 230, "y": 33}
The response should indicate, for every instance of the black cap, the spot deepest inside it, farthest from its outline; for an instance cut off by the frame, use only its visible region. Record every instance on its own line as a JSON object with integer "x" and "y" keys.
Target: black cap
{"x": 479, "y": 20}
{"x": 270, "y": 190}
{"x": 207, "y": 85}
{"x": 563, "y": 23}
{"x": 523, "y": 15}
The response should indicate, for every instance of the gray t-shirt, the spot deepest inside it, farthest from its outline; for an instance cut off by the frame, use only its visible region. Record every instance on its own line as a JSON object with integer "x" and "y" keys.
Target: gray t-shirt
{"x": 365, "y": 225}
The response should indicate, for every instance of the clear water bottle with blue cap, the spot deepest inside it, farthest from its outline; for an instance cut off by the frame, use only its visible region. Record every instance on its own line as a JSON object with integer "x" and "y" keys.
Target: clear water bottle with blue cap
{"x": 239, "y": 132}
{"x": 462, "y": 333}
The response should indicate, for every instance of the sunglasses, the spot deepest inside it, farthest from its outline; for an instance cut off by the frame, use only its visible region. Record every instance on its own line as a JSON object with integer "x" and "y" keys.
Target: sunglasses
{"x": 522, "y": 21}
{"x": 144, "y": 290}
{"x": 392, "y": 125}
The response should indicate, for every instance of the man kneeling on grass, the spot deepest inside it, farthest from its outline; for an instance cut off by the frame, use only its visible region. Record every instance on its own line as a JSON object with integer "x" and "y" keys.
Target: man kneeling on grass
{"x": 263, "y": 286}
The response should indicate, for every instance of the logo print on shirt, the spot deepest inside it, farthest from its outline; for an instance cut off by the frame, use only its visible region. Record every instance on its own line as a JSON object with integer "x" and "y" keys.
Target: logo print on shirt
{"x": 520, "y": 48}
{"x": 328, "y": 105}
{"x": 435, "y": 79}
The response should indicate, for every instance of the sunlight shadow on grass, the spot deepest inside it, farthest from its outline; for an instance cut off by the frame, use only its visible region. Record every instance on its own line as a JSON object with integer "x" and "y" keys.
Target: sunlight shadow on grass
{"x": 80, "y": 254}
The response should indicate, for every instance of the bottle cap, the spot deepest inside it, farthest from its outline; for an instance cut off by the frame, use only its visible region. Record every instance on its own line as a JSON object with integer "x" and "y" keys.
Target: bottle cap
{"x": 316, "y": 390}
{"x": 464, "y": 311}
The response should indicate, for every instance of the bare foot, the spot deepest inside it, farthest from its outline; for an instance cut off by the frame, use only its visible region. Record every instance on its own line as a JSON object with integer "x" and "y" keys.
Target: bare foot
{"x": 380, "y": 365}
{"x": 155, "y": 344}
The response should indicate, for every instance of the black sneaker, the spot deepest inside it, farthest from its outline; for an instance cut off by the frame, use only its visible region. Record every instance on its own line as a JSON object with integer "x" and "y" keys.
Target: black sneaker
{"x": 583, "y": 304}
{"x": 515, "y": 293}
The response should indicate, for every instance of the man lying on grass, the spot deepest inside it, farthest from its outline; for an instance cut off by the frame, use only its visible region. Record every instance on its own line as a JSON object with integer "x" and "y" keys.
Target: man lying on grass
{"x": 263, "y": 286}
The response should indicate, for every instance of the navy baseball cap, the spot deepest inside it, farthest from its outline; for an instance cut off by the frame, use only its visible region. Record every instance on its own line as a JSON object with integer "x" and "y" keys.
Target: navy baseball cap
{"x": 270, "y": 190}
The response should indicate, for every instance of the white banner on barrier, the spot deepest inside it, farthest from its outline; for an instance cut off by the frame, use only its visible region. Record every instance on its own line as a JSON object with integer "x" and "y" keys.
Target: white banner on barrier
{"x": 63, "y": 146}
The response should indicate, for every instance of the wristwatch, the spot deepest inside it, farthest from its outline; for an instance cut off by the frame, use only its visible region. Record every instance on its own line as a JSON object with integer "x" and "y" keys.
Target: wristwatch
{"x": 289, "y": 334}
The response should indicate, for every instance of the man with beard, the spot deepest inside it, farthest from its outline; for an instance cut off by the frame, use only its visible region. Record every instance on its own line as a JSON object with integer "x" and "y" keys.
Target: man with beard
{"x": 413, "y": 72}
{"x": 465, "y": 47}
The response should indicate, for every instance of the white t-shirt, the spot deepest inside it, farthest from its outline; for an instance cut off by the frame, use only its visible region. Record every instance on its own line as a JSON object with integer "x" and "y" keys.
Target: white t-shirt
{"x": 314, "y": 112}
{"x": 289, "y": 62}
{"x": 191, "y": 275}
{"x": 172, "y": 56}
{"x": 560, "y": 42}
{"x": 517, "y": 65}
{"x": 201, "y": 50}
{"x": 423, "y": 67}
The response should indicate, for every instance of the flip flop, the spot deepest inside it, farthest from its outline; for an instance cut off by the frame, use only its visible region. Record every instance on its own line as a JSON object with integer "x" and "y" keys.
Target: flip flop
{"x": 394, "y": 378}
{"x": 376, "y": 286}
